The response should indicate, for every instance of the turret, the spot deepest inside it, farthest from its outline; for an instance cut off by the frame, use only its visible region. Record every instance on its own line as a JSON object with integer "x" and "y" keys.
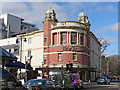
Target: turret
{"x": 50, "y": 16}
{"x": 82, "y": 18}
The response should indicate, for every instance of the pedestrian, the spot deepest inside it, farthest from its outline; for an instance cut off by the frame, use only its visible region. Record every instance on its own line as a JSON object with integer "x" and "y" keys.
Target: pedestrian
{"x": 43, "y": 77}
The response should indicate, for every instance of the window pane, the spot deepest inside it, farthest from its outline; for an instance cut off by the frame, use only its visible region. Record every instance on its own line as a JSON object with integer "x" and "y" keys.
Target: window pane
{"x": 63, "y": 37}
{"x": 29, "y": 53}
{"x": 45, "y": 49}
{"x": 73, "y": 37}
{"x": 29, "y": 40}
{"x": 81, "y": 39}
{"x": 45, "y": 39}
{"x": 59, "y": 57}
{"x": 74, "y": 56}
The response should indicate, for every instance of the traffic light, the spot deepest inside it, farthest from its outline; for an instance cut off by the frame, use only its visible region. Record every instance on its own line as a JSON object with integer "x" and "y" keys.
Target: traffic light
{"x": 69, "y": 66}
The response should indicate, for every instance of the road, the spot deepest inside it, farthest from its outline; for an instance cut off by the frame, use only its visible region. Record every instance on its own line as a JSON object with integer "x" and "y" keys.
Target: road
{"x": 95, "y": 86}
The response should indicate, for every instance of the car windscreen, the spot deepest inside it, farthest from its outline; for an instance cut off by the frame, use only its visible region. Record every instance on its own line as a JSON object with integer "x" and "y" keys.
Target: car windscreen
{"x": 103, "y": 77}
{"x": 35, "y": 82}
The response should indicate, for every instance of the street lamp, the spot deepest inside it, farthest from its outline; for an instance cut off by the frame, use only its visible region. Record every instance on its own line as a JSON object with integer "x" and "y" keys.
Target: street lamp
{"x": 25, "y": 69}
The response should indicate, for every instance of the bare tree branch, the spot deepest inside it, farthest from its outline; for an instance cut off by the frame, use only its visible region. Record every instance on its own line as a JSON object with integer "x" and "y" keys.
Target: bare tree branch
{"x": 104, "y": 43}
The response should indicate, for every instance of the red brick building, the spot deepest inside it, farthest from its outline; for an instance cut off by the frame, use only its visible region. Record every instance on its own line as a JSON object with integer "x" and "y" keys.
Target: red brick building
{"x": 67, "y": 42}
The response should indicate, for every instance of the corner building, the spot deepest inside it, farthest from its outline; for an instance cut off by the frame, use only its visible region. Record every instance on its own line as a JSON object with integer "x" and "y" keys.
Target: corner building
{"x": 67, "y": 42}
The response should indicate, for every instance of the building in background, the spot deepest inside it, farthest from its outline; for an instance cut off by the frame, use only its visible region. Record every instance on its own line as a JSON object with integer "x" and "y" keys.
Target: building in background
{"x": 3, "y": 32}
{"x": 11, "y": 24}
{"x": 10, "y": 27}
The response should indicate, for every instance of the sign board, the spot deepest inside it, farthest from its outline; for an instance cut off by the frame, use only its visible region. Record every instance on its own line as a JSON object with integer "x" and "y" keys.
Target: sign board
{"x": 78, "y": 49}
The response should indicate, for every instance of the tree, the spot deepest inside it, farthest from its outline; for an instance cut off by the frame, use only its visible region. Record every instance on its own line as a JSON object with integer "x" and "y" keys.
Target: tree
{"x": 104, "y": 43}
{"x": 113, "y": 65}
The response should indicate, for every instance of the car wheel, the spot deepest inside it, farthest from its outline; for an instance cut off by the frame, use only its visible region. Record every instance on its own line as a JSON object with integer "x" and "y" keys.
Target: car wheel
{"x": 106, "y": 83}
{"x": 81, "y": 86}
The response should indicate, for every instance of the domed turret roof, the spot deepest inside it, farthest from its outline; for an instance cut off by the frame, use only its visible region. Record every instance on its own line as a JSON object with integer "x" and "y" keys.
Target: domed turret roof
{"x": 82, "y": 14}
{"x": 50, "y": 10}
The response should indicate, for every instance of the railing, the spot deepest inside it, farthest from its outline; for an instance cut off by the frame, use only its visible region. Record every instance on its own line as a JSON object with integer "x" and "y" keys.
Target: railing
{"x": 68, "y": 23}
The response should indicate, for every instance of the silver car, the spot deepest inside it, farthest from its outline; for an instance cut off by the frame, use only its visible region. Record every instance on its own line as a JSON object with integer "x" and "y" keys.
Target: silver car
{"x": 103, "y": 80}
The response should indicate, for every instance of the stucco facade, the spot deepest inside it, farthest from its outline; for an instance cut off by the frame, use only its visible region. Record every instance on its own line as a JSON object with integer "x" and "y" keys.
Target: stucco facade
{"x": 95, "y": 56}
{"x": 32, "y": 46}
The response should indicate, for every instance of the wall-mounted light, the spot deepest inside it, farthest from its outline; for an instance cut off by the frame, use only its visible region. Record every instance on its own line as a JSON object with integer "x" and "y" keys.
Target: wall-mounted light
{"x": 25, "y": 40}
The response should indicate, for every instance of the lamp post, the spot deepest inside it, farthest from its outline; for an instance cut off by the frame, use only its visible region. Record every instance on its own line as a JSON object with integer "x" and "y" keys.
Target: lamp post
{"x": 25, "y": 69}
{"x": 95, "y": 71}
{"x": 107, "y": 67}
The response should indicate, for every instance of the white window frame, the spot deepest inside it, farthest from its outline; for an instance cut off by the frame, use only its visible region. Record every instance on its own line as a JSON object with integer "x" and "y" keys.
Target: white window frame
{"x": 29, "y": 40}
{"x": 29, "y": 53}
{"x": 59, "y": 57}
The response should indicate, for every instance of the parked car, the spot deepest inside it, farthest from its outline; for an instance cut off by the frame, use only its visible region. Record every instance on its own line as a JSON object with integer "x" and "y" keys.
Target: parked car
{"x": 76, "y": 79}
{"x": 61, "y": 78}
{"x": 103, "y": 80}
{"x": 9, "y": 82}
{"x": 37, "y": 84}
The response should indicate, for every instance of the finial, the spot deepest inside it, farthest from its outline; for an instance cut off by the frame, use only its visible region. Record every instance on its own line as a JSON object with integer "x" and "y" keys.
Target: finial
{"x": 50, "y": 7}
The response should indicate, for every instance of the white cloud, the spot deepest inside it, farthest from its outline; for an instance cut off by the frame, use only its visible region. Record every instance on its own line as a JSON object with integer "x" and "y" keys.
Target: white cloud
{"x": 104, "y": 29}
{"x": 61, "y": 0}
{"x": 109, "y": 52}
{"x": 109, "y": 7}
{"x": 34, "y": 12}
{"x": 114, "y": 27}
{"x": 109, "y": 39}
{"x": 37, "y": 14}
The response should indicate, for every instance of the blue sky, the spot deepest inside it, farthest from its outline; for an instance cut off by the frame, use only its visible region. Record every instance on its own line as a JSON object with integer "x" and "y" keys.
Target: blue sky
{"x": 103, "y": 16}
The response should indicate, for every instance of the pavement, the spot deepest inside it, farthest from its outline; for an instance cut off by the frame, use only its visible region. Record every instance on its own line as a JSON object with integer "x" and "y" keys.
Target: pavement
{"x": 95, "y": 86}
